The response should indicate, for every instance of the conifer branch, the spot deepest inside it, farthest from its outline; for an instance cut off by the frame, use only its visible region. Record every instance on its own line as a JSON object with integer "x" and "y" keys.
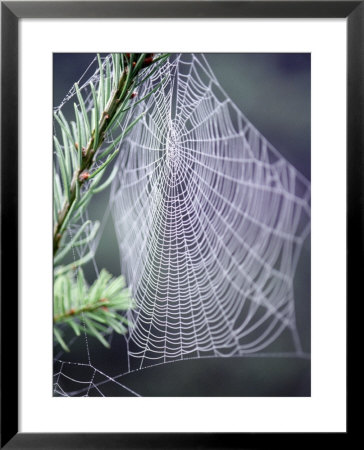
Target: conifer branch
{"x": 96, "y": 308}
{"x": 128, "y": 66}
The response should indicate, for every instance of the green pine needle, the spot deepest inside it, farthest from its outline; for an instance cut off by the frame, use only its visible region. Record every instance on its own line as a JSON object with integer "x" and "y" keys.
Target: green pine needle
{"x": 98, "y": 309}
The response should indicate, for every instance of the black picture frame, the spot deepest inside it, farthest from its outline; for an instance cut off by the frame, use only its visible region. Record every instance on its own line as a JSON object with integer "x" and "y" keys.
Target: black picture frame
{"x": 11, "y": 12}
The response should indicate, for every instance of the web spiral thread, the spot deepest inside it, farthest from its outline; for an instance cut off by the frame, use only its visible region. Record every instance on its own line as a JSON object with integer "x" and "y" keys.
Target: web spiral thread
{"x": 210, "y": 221}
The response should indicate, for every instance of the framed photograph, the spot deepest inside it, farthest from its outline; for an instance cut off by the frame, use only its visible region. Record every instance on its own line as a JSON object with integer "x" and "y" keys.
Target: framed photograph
{"x": 188, "y": 247}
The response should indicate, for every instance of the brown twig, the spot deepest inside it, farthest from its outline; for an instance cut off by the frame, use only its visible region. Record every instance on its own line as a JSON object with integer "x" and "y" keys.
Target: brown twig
{"x": 86, "y": 308}
{"x": 117, "y": 98}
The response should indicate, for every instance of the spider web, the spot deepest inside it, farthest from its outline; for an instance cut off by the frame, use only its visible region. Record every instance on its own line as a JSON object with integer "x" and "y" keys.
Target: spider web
{"x": 210, "y": 221}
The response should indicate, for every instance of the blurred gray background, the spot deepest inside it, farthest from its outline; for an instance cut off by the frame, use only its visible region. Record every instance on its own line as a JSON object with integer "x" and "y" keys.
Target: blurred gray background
{"x": 274, "y": 92}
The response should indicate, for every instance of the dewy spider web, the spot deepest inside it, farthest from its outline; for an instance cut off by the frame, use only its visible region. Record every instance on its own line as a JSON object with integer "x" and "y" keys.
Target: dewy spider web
{"x": 210, "y": 221}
